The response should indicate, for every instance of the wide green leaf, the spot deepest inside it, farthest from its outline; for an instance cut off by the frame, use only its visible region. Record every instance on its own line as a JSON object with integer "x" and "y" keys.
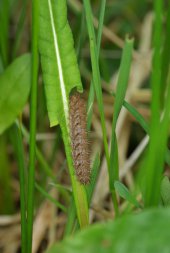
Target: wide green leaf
{"x": 147, "y": 232}
{"x": 61, "y": 75}
{"x": 58, "y": 58}
{"x": 14, "y": 90}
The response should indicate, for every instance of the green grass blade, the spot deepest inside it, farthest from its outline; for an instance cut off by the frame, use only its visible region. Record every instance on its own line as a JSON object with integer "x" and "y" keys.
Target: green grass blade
{"x": 124, "y": 72}
{"x": 123, "y": 77}
{"x": 137, "y": 116}
{"x": 165, "y": 57}
{"x": 96, "y": 73}
{"x": 94, "y": 175}
{"x": 151, "y": 193}
{"x": 91, "y": 92}
{"x": 48, "y": 196}
{"x": 82, "y": 35}
{"x": 123, "y": 192}
{"x": 33, "y": 111}
{"x": 140, "y": 119}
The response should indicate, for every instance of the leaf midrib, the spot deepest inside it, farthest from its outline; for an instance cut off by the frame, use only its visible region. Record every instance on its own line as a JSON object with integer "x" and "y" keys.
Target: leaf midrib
{"x": 58, "y": 59}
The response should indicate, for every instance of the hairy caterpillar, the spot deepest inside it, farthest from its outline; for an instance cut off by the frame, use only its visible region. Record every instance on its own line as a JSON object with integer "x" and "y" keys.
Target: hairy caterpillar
{"x": 79, "y": 138}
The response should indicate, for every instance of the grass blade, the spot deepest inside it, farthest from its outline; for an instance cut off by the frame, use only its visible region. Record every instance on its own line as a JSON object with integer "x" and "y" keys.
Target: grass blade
{"x": 120, "y": 95}
{"x": 33, "y": 111}
{"x": 151, "y": 193}
{"x": 48, "y": 196}
{"x": 96, "y": 73}
{"x": 99, "y": 36}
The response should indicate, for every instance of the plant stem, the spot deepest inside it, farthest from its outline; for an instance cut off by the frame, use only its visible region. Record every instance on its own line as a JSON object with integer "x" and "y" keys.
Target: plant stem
{"x": 33, "y": 112}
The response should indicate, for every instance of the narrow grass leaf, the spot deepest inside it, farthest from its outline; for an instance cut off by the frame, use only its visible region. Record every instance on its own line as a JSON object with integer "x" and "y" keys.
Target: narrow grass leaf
{"x": 99, "y": 36}
{"x": 165, "y": 57}
{"x": 123, "y": 191}
{"x": 94, "y": 175}
{"x": 124, "y": 72}
{"x": 33, "y": 117}
{"x": 50, "y": 198}
{"x": 153, "y": 168}
{"x": 96, "y": 73}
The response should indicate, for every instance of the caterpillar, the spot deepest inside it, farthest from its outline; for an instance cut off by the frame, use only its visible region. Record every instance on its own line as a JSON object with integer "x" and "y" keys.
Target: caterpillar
{"x": 79, "y": 138}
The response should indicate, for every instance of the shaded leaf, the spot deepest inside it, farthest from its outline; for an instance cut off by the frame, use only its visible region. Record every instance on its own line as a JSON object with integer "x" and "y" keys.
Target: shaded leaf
{"x": 133, "y": 233}
{"x": 123, "y": 191}
{"x": 14, "y": 90}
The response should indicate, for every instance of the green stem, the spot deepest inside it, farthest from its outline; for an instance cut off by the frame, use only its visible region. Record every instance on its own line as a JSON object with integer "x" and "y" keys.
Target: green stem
{"x": 33, "y": 112}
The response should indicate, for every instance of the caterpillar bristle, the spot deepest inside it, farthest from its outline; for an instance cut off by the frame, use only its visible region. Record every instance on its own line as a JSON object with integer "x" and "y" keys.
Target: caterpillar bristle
{"x": 79, "y": 138}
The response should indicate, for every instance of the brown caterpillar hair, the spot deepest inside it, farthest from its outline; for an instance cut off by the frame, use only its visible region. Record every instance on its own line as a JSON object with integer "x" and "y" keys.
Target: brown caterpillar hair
{"x": 79, "y": 138}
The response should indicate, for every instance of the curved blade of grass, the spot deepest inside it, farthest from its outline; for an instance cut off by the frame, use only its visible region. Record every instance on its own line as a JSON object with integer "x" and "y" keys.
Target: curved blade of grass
{"x": 140, "y": 119}
{"x": 61, "y": 75}
{"x": 50, "y": 198}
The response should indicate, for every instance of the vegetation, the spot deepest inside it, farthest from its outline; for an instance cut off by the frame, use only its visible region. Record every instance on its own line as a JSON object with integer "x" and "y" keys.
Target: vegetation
{"x": 116, "y": 54}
